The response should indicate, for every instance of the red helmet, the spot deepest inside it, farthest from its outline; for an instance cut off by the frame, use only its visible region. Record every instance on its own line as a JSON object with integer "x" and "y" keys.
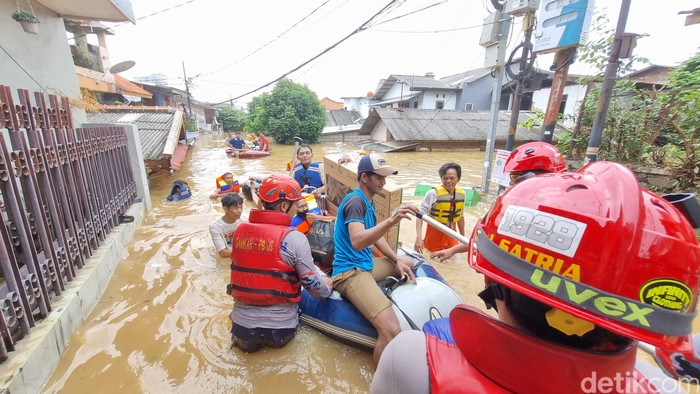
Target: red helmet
{"x": 598, "y": 246}
{"x": 279, "y": 187}
{"x": 535, "y": 156}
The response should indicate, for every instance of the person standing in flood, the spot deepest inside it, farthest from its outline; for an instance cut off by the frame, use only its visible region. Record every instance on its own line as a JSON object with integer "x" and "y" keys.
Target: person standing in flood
{"x": 446, "y": 205}
{"x": 269, "y": 264}
{"x": 309, "y": 173}
{"x": 223, "y": 228}
{"x": 225, "y": 184}
{"x": 355, "y": 272}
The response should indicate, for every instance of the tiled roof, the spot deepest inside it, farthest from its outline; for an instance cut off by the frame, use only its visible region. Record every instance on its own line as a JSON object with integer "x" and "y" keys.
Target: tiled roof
{"x": 159, "y": 129}
{"x": 329, "y": 104}
{"x": 342, "y": 118}
{"x": 124, "y": 86}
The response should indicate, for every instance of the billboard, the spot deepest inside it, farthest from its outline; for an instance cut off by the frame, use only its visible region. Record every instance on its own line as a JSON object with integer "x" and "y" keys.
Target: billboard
{"x": 562, "y": 24}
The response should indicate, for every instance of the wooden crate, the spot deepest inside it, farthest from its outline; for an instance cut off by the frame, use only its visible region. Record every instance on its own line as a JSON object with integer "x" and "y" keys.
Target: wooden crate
{"x": 342, "y": 179}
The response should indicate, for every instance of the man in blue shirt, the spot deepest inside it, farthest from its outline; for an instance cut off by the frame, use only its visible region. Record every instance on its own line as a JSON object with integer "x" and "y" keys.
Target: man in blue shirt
{"x": 309, "y": 173}
{"x": 237, "y": 143}
{"x": 356, "y": 229}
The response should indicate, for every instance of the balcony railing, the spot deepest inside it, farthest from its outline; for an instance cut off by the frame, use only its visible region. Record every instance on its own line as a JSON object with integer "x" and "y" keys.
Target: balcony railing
{"x": 62, "y": 191}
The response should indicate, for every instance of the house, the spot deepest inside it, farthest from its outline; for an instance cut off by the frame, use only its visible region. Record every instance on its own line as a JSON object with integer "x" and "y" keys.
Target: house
{"x": 329, "y": 104}
{"x": 359, "y": 104}
{"x": 653, "y": 77}
{"x": 341, "y": 126}
{"x": 161, "y": 131}
{"x": 97, "y": 77}
{"x": 414, "y": 91}
{"x": 398, "y": 128}
{"x": 166, "y": 96}
{"x": 45, "y": 58}
{"x": 475, "y": 88}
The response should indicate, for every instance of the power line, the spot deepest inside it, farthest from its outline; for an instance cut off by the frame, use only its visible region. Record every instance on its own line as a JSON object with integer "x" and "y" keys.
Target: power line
{"x": 264, "y": 45}
{"x": 362, "y": 27}
{"x": 23, "y": 69}
{"x": 127, "y": 22}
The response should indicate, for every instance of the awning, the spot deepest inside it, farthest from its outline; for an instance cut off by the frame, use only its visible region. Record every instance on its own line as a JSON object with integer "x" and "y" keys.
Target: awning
{"x": 99, "y": 10}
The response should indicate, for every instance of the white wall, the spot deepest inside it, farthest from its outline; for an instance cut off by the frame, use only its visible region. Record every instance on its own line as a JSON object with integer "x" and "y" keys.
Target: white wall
{"x": 359, "y": 104}
{"x": 430, "y": 97}
{"x": 45, "y": 56}
{"x": 575, "y": 95}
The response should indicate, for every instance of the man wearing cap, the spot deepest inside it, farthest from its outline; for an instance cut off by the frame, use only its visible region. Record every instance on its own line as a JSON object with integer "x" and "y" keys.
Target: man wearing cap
{"x": 356, "y": 229}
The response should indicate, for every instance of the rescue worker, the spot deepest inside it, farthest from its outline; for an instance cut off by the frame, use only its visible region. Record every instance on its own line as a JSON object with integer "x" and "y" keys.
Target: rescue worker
{"x": 579, "y": 267}
{"x": 270, "y": 262}
{"x": 307, "y": 173}
{"x": 532, "y": 159}
{"x": 444, "y": 204}
{"x": 525, "y": 161}
{"x": 225, "y": 184}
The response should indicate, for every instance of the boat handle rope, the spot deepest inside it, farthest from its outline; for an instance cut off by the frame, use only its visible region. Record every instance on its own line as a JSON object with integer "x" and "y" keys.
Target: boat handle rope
{"x": 386, "y": 283}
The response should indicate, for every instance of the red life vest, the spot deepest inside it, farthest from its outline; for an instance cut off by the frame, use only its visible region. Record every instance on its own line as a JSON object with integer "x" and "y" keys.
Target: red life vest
{"x": 489, "y": 356}
{"x": 259, "y": 274}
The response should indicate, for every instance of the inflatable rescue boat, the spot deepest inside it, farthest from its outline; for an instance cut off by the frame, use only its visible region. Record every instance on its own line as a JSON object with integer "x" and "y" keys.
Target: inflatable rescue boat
{"x": 414, "y": 304}
{"x": 248, "y": 154}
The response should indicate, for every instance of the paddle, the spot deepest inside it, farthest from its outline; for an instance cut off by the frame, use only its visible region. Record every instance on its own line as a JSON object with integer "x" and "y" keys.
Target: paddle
{"x": 297, "y": 141}
{"x": 683, "y": 364}
{"x": 442, "y": 228}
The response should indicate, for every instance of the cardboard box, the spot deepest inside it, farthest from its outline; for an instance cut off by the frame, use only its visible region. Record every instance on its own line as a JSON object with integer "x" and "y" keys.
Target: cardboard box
{"x": 342, "y": 179}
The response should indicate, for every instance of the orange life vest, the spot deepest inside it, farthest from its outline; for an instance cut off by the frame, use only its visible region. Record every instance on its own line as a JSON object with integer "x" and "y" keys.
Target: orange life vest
{"x": 225, "y": 187}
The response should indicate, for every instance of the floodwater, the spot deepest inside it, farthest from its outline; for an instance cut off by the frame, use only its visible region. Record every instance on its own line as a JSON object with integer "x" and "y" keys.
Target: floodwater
{"x": 162, "y": 324}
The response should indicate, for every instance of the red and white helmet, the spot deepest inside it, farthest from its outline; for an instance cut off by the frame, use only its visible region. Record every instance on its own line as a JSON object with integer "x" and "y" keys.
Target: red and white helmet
{"x": 535, "y": 156}
{"x": 598, "y": 246}
{"x": 279, "y": 187}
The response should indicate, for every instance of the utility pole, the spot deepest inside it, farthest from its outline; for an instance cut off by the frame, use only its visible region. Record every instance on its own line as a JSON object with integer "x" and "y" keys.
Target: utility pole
{"x": 187, "y": 89}
{"x": 608, "y": 84}
{"x": 517, "y": 100}
{"x": 504, "y": 26}
{"x": 562, "y": 59}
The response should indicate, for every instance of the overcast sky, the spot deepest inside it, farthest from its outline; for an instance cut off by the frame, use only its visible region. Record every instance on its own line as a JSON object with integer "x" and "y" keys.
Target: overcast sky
{"x": 230, "y": 47}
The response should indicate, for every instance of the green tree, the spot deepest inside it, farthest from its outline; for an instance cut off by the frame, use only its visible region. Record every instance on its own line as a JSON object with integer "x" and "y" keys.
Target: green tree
{"x": 256, "y": 120}
{"x": 642, "y": 126}
{"x": 232, "y": 119}
{"x": 290, "y": 110}
{"x": 191, "y": 123}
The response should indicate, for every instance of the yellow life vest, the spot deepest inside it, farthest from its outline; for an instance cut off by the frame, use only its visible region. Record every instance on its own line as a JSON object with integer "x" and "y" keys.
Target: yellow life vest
{"x": 447, "y": 210}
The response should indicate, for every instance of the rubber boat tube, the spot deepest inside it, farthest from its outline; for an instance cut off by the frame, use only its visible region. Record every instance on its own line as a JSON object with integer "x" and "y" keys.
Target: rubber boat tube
{"x": 431, "y": 298}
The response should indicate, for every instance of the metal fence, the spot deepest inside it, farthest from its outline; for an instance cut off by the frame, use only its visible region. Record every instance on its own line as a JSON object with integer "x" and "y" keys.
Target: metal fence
{"x": 62, "y": 190}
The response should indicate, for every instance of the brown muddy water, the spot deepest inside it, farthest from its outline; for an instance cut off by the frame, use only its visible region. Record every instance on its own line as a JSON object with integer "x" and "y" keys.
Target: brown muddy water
{"x": 162, "y": 324}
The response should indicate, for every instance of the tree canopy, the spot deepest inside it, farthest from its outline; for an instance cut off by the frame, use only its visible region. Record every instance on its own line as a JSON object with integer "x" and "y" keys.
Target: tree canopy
{"x": 290, "y": 110}
{"x": 232, "y": 119}
{"x": 658, "y": 126}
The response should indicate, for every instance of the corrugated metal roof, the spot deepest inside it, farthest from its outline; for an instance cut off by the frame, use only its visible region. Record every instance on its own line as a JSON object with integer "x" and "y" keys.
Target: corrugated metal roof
{"x": 467, "y": 77}
{"x": 159, "y": 131}
{"x": 437, "y": 125}
{"x": 341, "y": 117}
{"x": 413, "y": 82}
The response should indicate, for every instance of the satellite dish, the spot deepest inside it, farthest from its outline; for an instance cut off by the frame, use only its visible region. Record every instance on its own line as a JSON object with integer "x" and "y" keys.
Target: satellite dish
{"x": 122, "y": 66}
